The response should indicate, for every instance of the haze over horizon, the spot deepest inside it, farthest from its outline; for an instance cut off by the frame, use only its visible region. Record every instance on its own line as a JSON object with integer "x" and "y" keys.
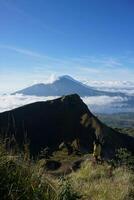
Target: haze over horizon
{"x": 89, "y": 40}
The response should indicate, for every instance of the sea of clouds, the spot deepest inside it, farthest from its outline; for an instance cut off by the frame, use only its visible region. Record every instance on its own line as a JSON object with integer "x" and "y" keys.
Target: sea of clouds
{"x": 126, "y": 87}
{"x": 96, "y": 104}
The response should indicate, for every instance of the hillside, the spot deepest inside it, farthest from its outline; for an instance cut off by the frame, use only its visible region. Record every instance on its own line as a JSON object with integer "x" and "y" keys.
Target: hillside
{"x": 27, "y": 180}
{"x": 66, "y": 119}
{"x": 120, "y": 120}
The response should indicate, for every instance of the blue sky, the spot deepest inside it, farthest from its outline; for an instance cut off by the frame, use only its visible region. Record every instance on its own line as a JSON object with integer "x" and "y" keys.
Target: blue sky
{"x": 84, "y": 38}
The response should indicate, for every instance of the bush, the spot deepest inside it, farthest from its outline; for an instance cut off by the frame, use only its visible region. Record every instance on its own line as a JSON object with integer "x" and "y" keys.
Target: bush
{"x": 125, "y": 158}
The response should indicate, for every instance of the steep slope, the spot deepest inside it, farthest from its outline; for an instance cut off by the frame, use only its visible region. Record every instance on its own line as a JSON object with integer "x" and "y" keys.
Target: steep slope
{"x": 64, "y": 119}
{"x": 63, "y": 86}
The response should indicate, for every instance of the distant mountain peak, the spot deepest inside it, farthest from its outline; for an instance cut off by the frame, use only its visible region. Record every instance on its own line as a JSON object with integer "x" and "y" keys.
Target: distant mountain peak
{"x": 52, "y": 79}
{"x": 66, "y": 77}
{"x": 61, "y": 86}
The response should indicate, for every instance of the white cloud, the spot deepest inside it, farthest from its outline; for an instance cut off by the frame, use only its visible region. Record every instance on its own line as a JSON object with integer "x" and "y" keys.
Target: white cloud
{"x": 126, "y": 87}
{"x": 106, "y": 104}
{"x": 103, "y": 100}
{"x": 111, "y": 84}
{"x": 26, "y": 52}
{"x": 8, "y": 102}
{"x": 127, "y": 91}
{"x": 51, "y": 78}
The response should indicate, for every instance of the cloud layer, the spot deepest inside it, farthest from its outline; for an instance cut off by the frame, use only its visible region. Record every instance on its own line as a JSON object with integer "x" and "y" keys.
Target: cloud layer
{"x": 96, "y": 104}
{"x": 126, "y": 87}
{"x": 8, "y": 102}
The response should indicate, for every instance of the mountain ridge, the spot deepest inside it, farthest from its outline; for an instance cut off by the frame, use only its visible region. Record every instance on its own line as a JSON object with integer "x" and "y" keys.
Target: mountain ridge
{"x": 64, "y": 119}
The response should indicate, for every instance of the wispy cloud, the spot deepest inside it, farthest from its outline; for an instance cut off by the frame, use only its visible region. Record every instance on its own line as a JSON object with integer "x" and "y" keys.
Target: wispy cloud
{"x": 22, "y": 51}
{"x": 31, "y": 53}
{"x": 91, "y": 63}
{"x": 38, "y": 67}
{"x": 105, "y": 61}
{"x": 121, "y": 73}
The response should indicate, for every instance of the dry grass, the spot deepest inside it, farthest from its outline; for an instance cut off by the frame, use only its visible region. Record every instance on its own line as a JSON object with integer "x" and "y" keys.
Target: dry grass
{"x": 24, "y": 179}
{"x": 95, "y": 182}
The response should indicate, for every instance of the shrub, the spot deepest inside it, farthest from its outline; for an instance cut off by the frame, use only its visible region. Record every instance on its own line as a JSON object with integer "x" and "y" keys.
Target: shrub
{"x": 66, "y": 192}
{"x": 125, "y": 158}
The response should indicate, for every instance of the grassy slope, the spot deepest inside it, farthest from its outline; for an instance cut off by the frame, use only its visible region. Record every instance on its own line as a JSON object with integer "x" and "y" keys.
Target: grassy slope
{"x": 120, "y": 120}
{"x": 24, "y": 179}
{"x": 123, "y": 122}
{"x": 128, "y": 131}
{"x": 96, "y": 182}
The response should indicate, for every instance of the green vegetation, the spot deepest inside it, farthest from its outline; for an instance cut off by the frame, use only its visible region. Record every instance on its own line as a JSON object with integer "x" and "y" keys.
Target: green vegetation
{"x": 66, "y": 192}
{"x": 128, "y": 131}
{"x": 120, "y": 120}
{"x": 124, "y": 158}
{"x": 22, "y": 178}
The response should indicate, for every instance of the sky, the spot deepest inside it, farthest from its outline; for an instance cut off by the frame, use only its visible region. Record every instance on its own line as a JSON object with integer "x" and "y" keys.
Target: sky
{"x": 87, "y": 39}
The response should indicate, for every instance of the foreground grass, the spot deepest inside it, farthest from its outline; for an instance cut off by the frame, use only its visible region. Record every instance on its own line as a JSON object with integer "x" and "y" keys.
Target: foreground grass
{"x": 100, "y": 182}
{"x": 24, "y": 179}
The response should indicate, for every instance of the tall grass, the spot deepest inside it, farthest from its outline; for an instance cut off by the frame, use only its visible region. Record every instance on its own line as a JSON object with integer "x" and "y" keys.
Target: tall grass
{"x": 21, "y": 179}
{"x": 24, "y": 179}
